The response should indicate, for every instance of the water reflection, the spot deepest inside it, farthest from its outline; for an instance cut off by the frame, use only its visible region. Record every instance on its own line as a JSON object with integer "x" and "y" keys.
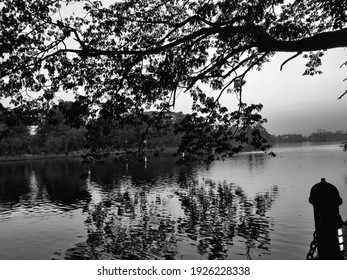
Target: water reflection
{"x": 127, "y": 226}
{"x": 126, "y": 210}
{"x": 28, "y": 184}
{"x": 256, "y": 161}
{"x": 216, "y": 214}
{"x": 141, "y": 224}
{"x": 14, "y": 183}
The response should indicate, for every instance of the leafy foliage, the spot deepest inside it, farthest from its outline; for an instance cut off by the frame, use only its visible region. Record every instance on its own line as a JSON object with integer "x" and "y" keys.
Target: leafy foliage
{"x": 124, "y": 59}
{"x": 14, "y": 140}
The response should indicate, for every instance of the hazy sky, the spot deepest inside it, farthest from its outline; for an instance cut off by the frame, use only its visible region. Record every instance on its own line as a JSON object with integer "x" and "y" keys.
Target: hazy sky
{"x": 294, "y": 103}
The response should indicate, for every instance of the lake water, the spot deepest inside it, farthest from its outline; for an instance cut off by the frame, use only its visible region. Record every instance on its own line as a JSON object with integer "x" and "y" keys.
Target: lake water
{"x": 250, "y": 207}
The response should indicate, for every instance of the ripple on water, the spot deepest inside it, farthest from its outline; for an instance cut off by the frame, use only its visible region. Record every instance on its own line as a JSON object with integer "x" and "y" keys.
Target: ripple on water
{"x": 252, "y": 206}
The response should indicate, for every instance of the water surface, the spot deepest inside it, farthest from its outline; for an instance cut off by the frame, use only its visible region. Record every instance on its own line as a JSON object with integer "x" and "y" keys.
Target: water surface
{"x": 250, "y": 207}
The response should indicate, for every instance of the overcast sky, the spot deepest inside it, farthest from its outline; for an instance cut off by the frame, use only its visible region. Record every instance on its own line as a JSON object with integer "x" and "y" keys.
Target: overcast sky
{"x": 294, "y": 103}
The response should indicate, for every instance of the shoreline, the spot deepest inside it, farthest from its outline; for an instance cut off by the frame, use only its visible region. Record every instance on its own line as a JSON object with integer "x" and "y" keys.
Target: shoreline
{"x": 29, "y": 157}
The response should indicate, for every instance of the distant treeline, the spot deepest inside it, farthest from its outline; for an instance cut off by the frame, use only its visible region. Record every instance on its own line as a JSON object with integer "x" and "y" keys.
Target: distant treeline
{"x": 46, "y": 140}
{"x": 53, "y": 136}
{"x": 152, "y": 130}
{"x": 325, "y": 136}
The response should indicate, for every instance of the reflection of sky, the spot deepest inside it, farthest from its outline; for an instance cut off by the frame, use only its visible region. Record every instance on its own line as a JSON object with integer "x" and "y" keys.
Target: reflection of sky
{"x": 161, "y": 193}
{"x": 282, "y": 182}
{"x": 40, "y": 233}
{"x": 34, "y": 188}
{"x": 195, "y": 220}
{"x": 33, "y": 224}
{"x": 33, "y": 182}
{"x": 295, "y": 170}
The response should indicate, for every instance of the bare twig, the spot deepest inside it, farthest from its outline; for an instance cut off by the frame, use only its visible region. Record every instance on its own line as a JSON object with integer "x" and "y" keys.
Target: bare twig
{"x": 289, "y": 59}
{"x": 242, "y": 76}
{"x": 342, "y": 95}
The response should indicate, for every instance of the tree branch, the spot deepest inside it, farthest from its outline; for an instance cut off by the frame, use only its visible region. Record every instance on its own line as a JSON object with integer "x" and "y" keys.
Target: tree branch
{"x": 218, "y": 63}
{"x": 342, "y": 95}
{"x": 261, "y": 39}
{"x": 321, "y": 41}
{"x": 177, "y": 26}
{"x": 203, "y": 31}
{"x": 289, "y": 59}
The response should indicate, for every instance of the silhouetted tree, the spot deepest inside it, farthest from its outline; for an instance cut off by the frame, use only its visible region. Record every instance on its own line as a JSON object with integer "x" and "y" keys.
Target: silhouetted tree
{"x": 134, "y": 56}
{"x": 15, "y": 140}
{"x": 53, "y": 135}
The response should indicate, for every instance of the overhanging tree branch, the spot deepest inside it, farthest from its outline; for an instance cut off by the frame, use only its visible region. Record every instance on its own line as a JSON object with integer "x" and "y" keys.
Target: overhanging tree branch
{"x": 143, "y": 50}
{"x": 289, "y": 59}
{"x": 321, "y": 41}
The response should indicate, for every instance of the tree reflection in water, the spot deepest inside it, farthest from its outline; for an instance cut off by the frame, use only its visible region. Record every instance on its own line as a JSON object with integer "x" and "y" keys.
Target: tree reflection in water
{"x": 139, "y": 225}
{"x": 219, "y": 213}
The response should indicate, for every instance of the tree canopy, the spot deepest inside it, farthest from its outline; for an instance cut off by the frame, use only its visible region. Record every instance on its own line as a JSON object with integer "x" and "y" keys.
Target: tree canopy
{"x": 123, "y": 59}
